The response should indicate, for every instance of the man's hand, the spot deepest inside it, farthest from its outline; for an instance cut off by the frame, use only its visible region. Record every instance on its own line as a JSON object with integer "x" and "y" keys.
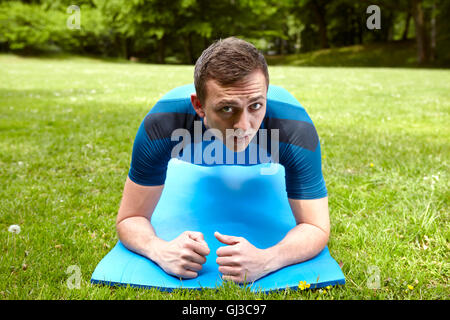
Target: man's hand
{"x": 240, "y": 261}
{"x": 184, "y": 255}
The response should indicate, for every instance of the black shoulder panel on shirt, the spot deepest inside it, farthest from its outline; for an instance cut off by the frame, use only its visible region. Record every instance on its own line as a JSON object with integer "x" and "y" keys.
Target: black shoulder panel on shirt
{"x": 161, "y": 125}
{"x": 299, "y": 133}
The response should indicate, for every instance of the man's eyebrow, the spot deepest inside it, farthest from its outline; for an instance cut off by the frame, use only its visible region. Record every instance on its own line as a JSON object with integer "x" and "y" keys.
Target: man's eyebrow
{"x": 227, "y": 102}
{"x": 257, "y": 98}
{"x": 235, "y": 102}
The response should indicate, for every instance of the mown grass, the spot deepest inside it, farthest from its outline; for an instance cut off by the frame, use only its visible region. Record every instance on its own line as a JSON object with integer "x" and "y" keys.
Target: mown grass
{"x": 393, "y": 54}
{"x": 66, "y": 133}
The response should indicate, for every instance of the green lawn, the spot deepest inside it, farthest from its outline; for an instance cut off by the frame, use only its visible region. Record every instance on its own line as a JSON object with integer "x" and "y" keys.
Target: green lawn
{"x": 66, "y": 133}
{"x": 392, "y": 54}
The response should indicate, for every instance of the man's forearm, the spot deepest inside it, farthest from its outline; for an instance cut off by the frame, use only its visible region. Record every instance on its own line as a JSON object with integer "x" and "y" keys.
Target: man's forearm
{"x": 301, "y": 243}
{"x": 137, "y": 234}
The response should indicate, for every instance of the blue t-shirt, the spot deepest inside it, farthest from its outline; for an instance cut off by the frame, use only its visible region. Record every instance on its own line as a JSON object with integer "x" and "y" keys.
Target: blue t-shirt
{"x": 172, "y": 129}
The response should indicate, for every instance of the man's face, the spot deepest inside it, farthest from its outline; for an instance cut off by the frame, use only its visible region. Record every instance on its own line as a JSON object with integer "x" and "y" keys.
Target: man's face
{"x": 240, "y": 107}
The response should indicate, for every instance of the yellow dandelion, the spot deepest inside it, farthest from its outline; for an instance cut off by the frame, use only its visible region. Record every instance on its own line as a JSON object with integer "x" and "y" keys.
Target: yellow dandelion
{"x": 410, "y": 287}
{"x": 371, "y": 164}
{"x": 302, "y": 285}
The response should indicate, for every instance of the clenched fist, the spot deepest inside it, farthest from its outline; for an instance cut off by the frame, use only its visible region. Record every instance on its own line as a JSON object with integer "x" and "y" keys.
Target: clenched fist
{"x": 240, "y": 261}
{"x": 184, "y": 255}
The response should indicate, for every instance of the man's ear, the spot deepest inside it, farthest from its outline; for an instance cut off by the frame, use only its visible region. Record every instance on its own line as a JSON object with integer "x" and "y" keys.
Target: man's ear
{"x": 198, "y": 107}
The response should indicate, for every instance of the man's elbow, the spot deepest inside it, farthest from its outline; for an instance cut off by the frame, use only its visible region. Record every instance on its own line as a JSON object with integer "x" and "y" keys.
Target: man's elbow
{"x": 120, "y": 224}
{"x": 324, "y": 236}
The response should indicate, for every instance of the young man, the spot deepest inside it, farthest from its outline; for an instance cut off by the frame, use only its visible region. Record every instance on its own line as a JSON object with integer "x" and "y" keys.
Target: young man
{"x": 231, "y": 83}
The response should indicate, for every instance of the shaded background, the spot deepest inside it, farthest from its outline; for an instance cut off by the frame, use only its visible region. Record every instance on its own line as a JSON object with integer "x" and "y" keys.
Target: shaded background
{"x": 295, "y": 32}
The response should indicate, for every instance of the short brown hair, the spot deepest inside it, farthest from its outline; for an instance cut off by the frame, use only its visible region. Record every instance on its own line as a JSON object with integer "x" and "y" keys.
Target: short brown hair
{"x": 227, "y": 61}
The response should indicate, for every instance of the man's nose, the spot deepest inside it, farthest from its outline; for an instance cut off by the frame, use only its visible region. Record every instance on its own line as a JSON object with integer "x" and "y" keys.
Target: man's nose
{"x": 243, "y": 122}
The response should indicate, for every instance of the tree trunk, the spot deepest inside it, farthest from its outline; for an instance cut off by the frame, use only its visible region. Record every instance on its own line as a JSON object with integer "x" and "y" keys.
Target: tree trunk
{"x": 360, "y": 29}
{"x": 187, "y": 41}
{"x": 406, "y": 30}
{"x": 124, "y": 46}
{"x": 433, "y": 33}
{"x": 386, "y": 32}
{"x": 281, "y": 46}
{"x": 161, "y": 50}
{"x": 321, "y": 22}
{"x": 351, "y": 33}
{"x": 421, "y": 34}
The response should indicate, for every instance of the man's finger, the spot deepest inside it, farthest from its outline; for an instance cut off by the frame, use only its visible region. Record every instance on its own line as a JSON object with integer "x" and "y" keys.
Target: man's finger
{"x": 226, "y": 251}
{"x": 200, "y": 247}
{"x": 226, "y": 261}
{"x": 197, "y": 258}
{"x": 235, "y": 279}
{"x": 197, "y": 236}
{"x": 191, "y": 266}
{"x": 188, "y": 274}
{"x": 230, "y": 240}
{"x": 228, "y": 271}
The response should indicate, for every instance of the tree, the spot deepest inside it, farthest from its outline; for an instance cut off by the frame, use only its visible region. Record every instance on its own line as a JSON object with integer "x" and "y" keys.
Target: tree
{"x": 421, "y": 34}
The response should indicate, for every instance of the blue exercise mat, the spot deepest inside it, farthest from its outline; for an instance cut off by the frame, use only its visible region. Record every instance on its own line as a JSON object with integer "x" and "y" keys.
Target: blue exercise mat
{"x": 233, "y": 200}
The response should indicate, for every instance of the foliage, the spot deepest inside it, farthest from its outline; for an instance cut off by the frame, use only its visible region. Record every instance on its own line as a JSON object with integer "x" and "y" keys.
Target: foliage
{"x": 179, "y": 30}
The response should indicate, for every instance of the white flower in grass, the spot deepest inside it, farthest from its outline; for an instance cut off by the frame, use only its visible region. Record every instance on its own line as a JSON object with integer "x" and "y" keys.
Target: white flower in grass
{"x": 14, "y": 228}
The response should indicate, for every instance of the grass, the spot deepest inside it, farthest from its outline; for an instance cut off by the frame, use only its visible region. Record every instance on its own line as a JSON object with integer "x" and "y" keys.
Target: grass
{"x": 66, "y": 133}
{"x": 392, "y": 54}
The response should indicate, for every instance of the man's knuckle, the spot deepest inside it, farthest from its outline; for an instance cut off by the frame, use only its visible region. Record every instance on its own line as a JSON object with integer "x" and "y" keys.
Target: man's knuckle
{"x": 179, "y": 271}
{"x": 184, "y": 253}
{"x": 198, "y": 267}
{"x": 186, "y": 263}
{"x": 185, "y": 245}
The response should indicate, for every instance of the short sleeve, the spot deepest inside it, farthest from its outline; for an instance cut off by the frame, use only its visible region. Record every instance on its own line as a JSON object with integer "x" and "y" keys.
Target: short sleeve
{"x": 149, "y": 158}
{"x": 303, "y": 168}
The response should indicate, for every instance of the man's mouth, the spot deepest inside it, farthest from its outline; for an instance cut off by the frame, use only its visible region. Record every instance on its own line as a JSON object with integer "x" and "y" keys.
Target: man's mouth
{"x": 241, "y": 139}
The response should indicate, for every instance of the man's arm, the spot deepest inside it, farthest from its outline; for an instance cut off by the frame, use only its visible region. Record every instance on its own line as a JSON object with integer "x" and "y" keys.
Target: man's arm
{"x": 307, "y": 238}
{"x": 182, "y": 256}
{"x": 241, "y": 262}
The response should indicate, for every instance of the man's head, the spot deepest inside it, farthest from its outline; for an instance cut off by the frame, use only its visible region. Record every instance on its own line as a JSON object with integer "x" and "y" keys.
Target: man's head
{"x": 231, "y": 80}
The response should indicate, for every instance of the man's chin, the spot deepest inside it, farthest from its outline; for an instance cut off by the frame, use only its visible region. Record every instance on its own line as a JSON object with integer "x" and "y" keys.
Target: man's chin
{"x": 237, "y": 145}
{"x": 239, "y": 148}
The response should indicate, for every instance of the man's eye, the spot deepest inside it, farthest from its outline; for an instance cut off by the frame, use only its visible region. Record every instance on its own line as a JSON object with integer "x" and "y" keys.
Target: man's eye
{"x": 227, "y": 109}
{"x": 256, "y": 106}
